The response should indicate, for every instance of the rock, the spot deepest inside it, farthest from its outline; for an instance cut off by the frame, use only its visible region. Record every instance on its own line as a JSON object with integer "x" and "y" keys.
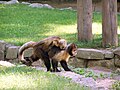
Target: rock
{"x": 12, "y": 52}
{"x": 75, "y": 62}
{"x": 69, "y": 8}
{"x": 117, "y": 61}
{"x": 26, "y": 3}
{"x": 117, "y": 71}
{"x": 14, "y": 60}
{"x": 102, "y": 63}
{"x": 7, "y": 64}
{"x": 47, "y": 6}
{"x": 90, "y": 54}
{"x": 12, "y": 2}
{"x": 108, "y": 54}
{"x": 1, "y": 55}
{"x": 37, "y": 5}
{"x": 2, "y": 2}
{"x": 38, "y": 63}
{"x": 117, "y": 51}
{"x": 2, "y": 45}
{"x": 8, "y": 45}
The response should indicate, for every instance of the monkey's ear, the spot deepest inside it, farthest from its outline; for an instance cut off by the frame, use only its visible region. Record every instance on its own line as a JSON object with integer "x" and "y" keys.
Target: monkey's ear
{"x": 56, "y": 43}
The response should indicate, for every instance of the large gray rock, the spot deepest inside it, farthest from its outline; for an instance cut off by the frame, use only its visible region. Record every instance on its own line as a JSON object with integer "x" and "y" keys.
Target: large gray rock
{"x": 12, "y": 52}
{"x": 2, "y": 45}
{"x": 1, "y": 55}
{"x": 108, "y": 54}
{"x": 90, "y": 54}
{"x": 117, "y": 51}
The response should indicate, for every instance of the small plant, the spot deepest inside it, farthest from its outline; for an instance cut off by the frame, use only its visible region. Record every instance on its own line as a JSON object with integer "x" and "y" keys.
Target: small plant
{"x": 89, "y": 74}
{"x": 116, "y": 85}
{"x": 79, "y": 71}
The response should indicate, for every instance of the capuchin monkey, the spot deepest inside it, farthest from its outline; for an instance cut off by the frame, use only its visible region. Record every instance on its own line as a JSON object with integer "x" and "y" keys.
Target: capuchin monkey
{"x": 59, "y": 55}
{"x": 41, "y": 49}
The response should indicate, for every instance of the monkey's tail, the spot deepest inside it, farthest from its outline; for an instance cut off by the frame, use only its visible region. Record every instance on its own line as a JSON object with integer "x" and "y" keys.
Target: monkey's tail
{"x": 23, "y": 48}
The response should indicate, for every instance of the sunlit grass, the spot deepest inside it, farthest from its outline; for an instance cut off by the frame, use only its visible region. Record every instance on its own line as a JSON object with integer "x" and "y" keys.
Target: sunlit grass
{"x": 21, "y": 23}
{"x": 26, "y": 78}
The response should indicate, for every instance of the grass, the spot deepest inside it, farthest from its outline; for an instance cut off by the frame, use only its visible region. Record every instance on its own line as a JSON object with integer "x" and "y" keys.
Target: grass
{"x": 27, "y": 78}
{"x": 21, "y": 23}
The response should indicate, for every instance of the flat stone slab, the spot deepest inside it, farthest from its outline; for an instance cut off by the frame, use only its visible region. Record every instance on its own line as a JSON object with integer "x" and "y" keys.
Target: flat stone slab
{"x": 90, "y": 54}
{"x": 94, "y": 54}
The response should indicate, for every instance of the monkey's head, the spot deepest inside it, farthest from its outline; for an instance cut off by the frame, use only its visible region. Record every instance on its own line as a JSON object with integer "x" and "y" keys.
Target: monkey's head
{"x": 62, "y": 43}
{"x": 72, "y": 49}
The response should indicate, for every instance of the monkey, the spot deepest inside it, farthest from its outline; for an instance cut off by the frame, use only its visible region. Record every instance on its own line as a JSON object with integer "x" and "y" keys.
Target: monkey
{"x": 62, "y": 55}
{"x": 40, "y": 50}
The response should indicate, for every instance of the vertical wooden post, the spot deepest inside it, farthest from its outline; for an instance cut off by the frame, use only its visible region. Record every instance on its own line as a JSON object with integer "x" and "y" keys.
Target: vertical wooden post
{"x": 109, "y": 23}
{"x": 84, "y": 23}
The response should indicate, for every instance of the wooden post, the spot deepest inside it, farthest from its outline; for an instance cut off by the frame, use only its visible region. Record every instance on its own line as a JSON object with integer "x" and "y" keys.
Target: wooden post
{"x": 84, "y": 17}
{"x": 109, "y": 23}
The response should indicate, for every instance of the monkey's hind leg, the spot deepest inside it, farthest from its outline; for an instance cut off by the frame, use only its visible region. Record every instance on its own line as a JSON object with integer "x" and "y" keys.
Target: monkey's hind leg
{"x": 47, "y": 64}
{"x": 55, "y": 65}
{"x": 29, "y": 60}
{"x": 65, "y": 66}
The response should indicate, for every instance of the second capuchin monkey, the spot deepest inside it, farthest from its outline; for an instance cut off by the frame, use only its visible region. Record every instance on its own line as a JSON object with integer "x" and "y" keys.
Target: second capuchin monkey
{"x": 40, "y": 50}
{"x": 58, "y": 55}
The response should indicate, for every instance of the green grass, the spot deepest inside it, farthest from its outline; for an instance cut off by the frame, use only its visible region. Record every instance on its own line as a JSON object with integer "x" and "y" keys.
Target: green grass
{"x": 21, "y": 23}
{"x": 26, "y": 78}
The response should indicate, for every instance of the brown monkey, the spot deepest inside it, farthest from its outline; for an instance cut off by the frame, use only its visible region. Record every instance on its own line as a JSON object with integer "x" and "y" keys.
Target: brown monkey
{"x": 58, "y": 55}
{"x": 41, "y": 49}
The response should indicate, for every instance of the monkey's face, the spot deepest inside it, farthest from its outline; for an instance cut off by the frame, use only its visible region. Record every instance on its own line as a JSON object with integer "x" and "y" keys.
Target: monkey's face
{"x": 62, "y": 43}
{"x": 74, "y": 50}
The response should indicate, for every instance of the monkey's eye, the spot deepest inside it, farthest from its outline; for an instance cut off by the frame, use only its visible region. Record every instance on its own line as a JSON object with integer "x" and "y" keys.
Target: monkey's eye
{"x": 74, "y": 50}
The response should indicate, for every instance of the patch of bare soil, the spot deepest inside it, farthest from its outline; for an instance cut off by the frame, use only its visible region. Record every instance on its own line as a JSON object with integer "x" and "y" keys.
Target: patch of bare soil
{"x": 98, "y": 84}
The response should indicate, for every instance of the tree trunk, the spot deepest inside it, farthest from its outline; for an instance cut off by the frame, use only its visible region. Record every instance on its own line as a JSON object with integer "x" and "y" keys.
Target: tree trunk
{"x": 109, "y": 23}
{"x": 84, "y": 23}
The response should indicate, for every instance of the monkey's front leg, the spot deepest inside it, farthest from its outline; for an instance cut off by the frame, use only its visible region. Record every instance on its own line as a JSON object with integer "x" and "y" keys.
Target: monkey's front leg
{"x": 65, "y": 66}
